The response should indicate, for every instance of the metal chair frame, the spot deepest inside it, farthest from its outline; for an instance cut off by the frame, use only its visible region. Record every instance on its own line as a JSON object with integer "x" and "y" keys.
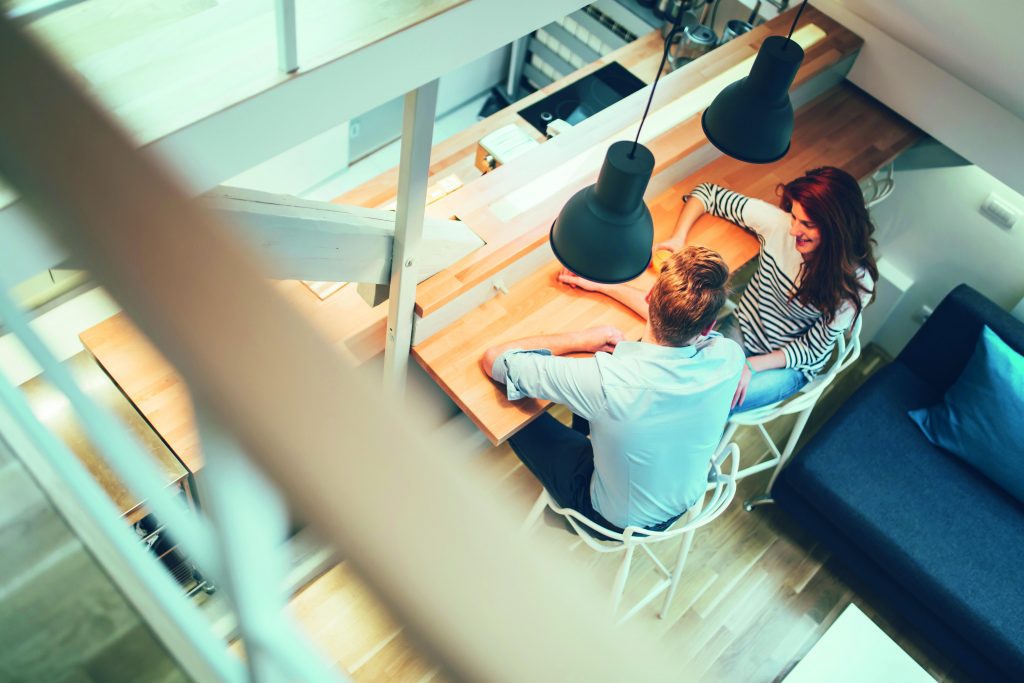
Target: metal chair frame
{"x": 802, "y": 403}
{"x": 721, "y": 485}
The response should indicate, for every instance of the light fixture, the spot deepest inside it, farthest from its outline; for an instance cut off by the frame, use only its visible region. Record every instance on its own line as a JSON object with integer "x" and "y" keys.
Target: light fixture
{"x": 752, "y": 119}
{"x": 605, "y": 232}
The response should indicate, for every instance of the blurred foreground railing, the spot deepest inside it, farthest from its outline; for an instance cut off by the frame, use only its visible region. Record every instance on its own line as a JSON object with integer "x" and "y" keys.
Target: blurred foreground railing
{"x": 285, "y": 425}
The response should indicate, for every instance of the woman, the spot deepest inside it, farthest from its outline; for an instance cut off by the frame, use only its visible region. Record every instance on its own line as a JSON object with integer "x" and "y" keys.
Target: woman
{"x": 815, "y": 274}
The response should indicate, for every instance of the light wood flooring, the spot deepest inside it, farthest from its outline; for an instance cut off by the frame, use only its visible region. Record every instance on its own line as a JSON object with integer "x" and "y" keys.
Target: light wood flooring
{"x": 756, "y": 594}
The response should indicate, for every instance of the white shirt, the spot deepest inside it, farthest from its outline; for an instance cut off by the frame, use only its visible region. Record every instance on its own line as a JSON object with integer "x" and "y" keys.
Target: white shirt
{"x": 656, "y": 416}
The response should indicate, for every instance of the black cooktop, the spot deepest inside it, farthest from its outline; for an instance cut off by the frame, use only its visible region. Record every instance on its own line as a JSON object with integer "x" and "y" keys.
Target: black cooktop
{"x": 584, "y": 98}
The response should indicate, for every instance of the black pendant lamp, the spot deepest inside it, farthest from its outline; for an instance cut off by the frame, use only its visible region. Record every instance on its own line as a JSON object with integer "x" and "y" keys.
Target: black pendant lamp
{"x": 752, "y": 119}
{"x": 604, "y": 233}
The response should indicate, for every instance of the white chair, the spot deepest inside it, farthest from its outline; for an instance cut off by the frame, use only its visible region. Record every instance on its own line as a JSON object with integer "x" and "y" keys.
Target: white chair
{"x": 802, "y": 403}
{"x": 722, "y": 486}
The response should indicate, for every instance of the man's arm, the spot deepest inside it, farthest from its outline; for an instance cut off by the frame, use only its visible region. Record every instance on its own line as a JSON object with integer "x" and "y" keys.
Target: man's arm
{"x": 592, "y": 340}
{"x": 633, "y": 298}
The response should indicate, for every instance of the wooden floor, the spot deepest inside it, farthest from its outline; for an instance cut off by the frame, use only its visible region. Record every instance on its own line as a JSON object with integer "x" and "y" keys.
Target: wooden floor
{"x": 756, "y": 594}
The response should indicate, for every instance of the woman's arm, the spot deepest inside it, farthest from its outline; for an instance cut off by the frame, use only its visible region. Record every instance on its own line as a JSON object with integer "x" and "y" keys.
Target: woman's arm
{"x": 755, "y": 216}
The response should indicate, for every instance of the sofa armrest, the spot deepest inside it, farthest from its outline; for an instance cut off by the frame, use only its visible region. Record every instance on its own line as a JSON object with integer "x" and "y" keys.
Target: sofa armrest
{"x": 940, "y": 350}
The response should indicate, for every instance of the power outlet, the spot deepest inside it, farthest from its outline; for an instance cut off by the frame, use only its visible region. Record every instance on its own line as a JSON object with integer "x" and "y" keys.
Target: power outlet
{"x": 354, "y": 129}
{"x": 999, "y": 211}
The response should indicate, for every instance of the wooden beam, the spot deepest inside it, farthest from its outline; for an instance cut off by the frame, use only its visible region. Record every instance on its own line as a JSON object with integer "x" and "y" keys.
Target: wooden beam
{"x": 310, "y": 240}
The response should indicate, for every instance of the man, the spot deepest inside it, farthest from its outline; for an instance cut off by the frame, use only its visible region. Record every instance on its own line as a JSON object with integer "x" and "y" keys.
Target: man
{"x": 656, "y": 407}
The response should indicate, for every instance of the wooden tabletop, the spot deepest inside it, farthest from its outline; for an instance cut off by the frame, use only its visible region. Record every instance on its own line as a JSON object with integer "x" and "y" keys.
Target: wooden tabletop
{"x": 844, "y": 128}
{"x": 55, "y": 412}
{"x": 512, "y": 207}
{"x": 159, "y": 393}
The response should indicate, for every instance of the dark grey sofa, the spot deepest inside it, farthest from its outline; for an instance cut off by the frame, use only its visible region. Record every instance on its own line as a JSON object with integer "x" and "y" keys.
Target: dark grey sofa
{"x": 927, "y": 534}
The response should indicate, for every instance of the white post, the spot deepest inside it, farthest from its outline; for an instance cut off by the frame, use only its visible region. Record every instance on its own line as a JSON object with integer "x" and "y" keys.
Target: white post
{"x": 250, "y": 520}
{"x": 287, "y": 42}
{"x": 92, "y": 516}
{"x": 417, "y": 131}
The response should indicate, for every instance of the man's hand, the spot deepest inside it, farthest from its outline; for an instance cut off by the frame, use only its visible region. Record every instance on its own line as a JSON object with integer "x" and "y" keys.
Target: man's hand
{"x": 602, "y": 338}
{"x": 567, "y": 277}
{"x": 741, "y": 389}
{"x": 673, "y": 245}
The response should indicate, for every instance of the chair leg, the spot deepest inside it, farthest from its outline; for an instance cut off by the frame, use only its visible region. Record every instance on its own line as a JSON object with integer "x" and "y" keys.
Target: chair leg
{"x": 620, "y": 580}
{"x": 787, "y": 453}
{"x": 535, "y": 512}
{"x": 684, "y": 552}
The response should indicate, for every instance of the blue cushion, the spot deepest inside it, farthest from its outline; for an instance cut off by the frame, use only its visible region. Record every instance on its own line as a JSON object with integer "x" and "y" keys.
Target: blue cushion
{"x": 981, "y": 418}
{"x": 942, "y": 531}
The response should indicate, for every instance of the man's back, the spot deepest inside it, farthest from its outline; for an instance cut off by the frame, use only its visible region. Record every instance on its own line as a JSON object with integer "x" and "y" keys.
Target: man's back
{"x": 663, "y": 413}
{"x": 656, "y": 414}
{"x": 657, "y": 407}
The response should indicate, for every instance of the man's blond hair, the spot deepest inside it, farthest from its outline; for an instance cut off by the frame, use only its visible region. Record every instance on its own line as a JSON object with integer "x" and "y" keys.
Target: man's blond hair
{"x": 688, "y": 294}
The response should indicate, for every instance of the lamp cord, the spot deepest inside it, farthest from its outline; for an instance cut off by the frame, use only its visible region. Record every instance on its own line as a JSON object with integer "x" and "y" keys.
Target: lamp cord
{"x": 664, "y": 58}
{"x": 795, "y": 19}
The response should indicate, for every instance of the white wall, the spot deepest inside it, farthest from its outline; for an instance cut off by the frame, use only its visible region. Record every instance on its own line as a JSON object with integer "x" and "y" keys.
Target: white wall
{"x": 931, "y": 230}
{"x": 301, "y": 167}
{"x": 310, "y": 163}
{"x": 59, "y": 329}
{"x": 954, "y": 111}
{"x": 379, "y": 126}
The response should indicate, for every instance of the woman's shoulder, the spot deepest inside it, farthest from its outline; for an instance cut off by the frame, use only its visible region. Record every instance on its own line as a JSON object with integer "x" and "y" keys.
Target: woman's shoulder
{"x": 864, "y": 277}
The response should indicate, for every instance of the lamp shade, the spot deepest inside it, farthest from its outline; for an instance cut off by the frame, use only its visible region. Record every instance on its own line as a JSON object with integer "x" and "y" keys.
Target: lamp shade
{"x": 752, "y": 119}
{"x": 604, "y": 232}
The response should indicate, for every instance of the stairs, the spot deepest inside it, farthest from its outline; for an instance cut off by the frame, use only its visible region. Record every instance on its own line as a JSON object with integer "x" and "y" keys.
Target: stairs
{"x": 61, "y": 618}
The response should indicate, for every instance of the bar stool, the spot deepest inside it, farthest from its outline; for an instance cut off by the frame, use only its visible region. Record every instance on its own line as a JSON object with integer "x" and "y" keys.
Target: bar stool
{"x": 802, "y": 403}
{"x": 721, "y": 485}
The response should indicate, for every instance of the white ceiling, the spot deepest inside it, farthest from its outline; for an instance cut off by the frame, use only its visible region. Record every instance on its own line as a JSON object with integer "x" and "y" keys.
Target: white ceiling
{"x": 978, "y": 41}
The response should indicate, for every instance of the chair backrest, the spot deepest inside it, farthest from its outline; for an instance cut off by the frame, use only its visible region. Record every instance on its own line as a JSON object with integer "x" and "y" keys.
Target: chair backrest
{"x": 700, "y": 515}
{"x": 846, "y": 352}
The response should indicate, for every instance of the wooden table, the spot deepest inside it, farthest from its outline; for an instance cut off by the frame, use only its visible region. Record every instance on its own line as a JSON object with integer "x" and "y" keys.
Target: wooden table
{"x": 54, "y": 411}
{"x": 159, "y": 393}
{"x": 512, "y": 208}
{"x": 844, "y": 128}
{"x": 830, "y": 131}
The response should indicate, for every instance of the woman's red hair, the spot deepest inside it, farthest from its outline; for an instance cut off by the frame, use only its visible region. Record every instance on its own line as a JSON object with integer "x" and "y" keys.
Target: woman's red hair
{"x": 833, "y": 202}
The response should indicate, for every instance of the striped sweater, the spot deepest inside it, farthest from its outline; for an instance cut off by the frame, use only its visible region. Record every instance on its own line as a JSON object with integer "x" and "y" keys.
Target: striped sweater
{"x": 770, "y": 318}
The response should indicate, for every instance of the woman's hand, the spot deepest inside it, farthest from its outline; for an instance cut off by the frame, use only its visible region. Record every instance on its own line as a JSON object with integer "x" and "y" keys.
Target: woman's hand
{"x": 567, "y": 277}
{"x": 602, "y": 338}
{"x": 741, "y": 389}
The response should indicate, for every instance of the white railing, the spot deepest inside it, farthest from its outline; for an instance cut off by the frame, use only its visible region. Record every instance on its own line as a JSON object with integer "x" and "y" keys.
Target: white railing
{"x": 282, "y": 418}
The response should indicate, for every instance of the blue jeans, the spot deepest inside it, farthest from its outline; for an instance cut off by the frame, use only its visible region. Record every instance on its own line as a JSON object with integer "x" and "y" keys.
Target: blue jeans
{"x": 768, "y": 386}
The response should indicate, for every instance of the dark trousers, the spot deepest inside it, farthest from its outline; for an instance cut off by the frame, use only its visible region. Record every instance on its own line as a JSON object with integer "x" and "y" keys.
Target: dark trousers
{"x": 563, "y": 460}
